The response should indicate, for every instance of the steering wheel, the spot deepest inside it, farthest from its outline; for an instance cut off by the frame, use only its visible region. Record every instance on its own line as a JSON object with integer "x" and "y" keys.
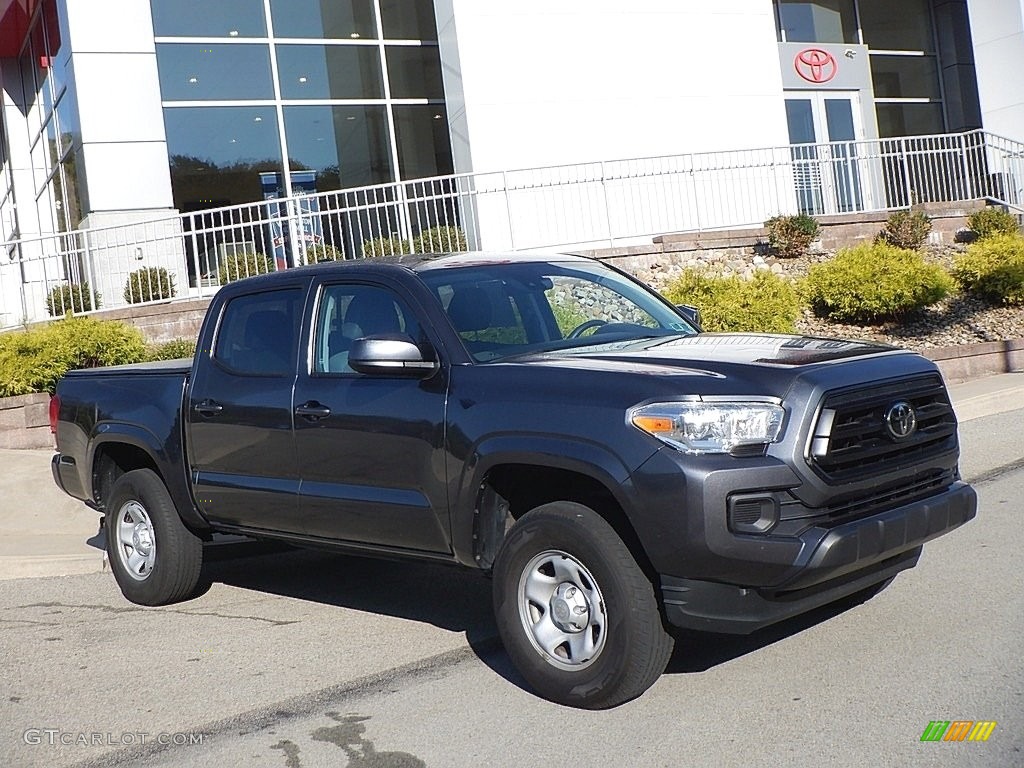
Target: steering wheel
{"x": 576, "y": 332}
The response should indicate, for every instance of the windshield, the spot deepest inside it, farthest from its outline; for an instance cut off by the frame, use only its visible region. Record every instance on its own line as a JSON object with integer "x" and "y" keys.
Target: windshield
{"x": 512, "y": 308}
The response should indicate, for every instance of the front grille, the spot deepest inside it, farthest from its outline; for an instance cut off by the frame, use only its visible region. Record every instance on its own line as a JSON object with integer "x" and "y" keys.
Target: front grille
{"x": 852, "y": 440}
{"x": 920, "y": 486}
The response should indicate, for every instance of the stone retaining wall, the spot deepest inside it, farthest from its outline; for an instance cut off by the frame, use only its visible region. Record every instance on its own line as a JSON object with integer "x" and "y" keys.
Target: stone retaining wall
{"x": 165, "y": 321}
{"x": 25, "y": 422}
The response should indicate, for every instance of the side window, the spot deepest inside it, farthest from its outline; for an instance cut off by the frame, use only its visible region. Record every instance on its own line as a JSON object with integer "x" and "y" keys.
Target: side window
{"x": 258, "y": 333}
{"x": 350, "y": 312}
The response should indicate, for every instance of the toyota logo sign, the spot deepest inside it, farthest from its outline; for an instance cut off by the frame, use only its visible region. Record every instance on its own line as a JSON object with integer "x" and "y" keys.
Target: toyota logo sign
{"x": 900, "y": 420}
{"x": 815, "y": 65}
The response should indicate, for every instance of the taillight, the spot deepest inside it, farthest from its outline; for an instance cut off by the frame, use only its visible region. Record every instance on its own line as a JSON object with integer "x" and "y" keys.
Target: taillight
{"x": 54, "y": 412}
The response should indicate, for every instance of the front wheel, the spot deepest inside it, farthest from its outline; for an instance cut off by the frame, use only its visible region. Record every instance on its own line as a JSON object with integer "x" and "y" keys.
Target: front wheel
{"x": 156, "y": 560}
{"x": 577, "y": 615}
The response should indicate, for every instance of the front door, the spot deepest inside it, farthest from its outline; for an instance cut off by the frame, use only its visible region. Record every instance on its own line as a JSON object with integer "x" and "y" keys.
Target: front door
{"x": 370, "y": 448}
{"x": 823, "y": 129}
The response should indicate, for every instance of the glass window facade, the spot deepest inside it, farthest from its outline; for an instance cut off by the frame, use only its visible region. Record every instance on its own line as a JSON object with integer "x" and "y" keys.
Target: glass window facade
{"x": 330, "y": 72}
{"x": 901, "y": 43}
{"x": 203, "y": 18}
{"x": 905, "y": 77}
{"x": 218, "y": 153}
{"x": 52, "y": 119}
{"x": 347, "y": 146}
{"x": 325, "y": 19}
{"x": 906, "y": 25}
{"x": 325, "y": 89}
{"x": 817, "y": 21}
{"x": 415, "y": 72}
{"x": 210, "y": 72}
{"x": 404, "y": 20}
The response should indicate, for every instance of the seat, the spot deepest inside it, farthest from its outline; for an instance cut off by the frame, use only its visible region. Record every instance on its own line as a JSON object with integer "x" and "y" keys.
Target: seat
{"x": 470, "y": 309}
{"x": 268, "y": 343}
{"x": 372, "y": 312}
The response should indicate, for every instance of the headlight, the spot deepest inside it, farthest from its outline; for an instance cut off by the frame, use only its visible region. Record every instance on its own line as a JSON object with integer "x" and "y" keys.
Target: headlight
{"x": 710, "y": 427}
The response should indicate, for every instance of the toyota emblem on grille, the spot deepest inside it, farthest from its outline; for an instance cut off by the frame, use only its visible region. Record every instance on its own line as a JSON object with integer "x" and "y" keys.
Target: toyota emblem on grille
{"x": 900, "y": 420}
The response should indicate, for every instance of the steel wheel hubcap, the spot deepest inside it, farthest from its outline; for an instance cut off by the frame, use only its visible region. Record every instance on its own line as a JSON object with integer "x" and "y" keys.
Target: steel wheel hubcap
{"x": 136, "y": 540}
{"x": 562, "y": 610}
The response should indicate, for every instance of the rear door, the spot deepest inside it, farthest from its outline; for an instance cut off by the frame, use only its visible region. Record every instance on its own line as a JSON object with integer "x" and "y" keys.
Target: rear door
{"x": 241, "y": 446}
{"x": 370, "y": 448}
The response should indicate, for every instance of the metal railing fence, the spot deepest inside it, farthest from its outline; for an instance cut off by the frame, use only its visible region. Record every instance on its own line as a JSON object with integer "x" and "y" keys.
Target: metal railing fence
{"x": 610, "y": 203}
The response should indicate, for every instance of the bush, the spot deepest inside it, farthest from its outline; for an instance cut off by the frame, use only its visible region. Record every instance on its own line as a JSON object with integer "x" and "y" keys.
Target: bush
{"x": 993, "y": 268}
{"x": 323, "y": 252}
{"x": 907, "y": 230}
{"x": 33, "y": 360}
{"x": 766, "y": 303}
{"x": 993, "y": 220}
{"x": 171, "y": 350}
{"x": 874, "y": 282}
{"x": 791, "y": 236}
{"x": 440, "y": 240}
{"x": 149, "y": 284}
{"x": 242, "y": 265}
{"x": 385, "y": 246}
{"x": 69, "y": 297}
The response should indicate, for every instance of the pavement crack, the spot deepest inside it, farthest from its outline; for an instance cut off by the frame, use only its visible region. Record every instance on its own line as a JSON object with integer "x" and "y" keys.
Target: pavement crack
{"x": 215, "y": 614}
{"x": 134, "y": 609}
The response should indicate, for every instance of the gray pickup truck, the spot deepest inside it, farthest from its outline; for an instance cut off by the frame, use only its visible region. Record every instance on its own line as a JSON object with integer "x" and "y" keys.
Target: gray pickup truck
{"x": 548, "y": 421}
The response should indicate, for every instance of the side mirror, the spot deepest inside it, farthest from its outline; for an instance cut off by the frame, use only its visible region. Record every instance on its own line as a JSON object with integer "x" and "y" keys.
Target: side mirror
{"x": 691, "y": 314}
{"x": 389, "y": 356}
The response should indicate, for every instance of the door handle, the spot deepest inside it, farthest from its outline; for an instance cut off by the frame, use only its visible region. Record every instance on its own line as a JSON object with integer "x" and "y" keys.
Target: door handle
{"x": 208, "y": 408}
{"x": 313, "y": 411}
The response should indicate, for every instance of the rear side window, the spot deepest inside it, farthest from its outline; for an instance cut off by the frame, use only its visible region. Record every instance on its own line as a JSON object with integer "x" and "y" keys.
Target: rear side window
{"x": 259, "y": 333}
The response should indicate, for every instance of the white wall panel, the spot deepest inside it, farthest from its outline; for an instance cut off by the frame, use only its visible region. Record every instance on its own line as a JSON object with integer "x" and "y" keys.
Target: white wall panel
{"x": 997, "y": 27}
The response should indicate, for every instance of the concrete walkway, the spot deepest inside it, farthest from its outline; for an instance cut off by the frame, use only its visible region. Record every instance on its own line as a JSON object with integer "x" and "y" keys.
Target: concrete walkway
{"x": 43, "y": 532}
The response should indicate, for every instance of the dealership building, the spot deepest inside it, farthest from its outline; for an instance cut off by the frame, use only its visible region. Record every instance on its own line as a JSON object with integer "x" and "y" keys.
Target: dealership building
{"x": 126, "y": 110}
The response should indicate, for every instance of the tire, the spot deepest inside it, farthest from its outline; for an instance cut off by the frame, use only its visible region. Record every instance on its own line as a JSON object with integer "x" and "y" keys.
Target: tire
{"x": 577, "y": 615}
{"x": 156, "y": 560}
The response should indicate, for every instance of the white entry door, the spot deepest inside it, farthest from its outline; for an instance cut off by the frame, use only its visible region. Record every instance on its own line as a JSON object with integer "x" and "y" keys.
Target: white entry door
{"x": 824, "y": 127}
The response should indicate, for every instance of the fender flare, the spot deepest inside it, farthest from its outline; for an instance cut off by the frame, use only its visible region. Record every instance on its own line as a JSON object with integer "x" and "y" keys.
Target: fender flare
{"x": 113, "y": 432}
{"x": 583, "y": 457}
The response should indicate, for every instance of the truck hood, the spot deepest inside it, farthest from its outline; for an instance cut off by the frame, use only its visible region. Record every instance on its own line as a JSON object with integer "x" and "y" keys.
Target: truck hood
{"x": 707, "y": 352}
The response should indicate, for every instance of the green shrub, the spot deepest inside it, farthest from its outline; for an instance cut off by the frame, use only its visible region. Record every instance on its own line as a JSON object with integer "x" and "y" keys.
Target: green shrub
{"x": 385, "y": 246}
{"x": 242, "y": 265}
{"x": 33, "y": 360}
{"x": 440, "y": 240}
{"x": 992, "y": 220}
{"x": 874, "y": 282}
{"x": 69, "y": 297}
{"x": 171, "y": 350}
{"x": 791, "y": 236}
{"x": 149, "y": 284}
{"x": 323, "y": 252}
{"x": 906, "y": 229}
{"x": 766, "y": 303}
{"x": 994, "y": 269}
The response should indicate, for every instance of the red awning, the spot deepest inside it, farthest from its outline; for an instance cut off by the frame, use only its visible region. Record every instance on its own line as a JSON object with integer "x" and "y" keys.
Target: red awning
{"x": 14, "y": 18}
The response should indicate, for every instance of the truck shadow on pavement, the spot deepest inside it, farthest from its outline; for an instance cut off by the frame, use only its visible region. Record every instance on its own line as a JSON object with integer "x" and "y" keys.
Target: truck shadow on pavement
{"x": 449, "y": 598}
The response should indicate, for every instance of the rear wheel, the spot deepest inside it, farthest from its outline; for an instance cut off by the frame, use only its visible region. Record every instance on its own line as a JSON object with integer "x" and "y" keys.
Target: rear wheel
{"x": 156, "y": 560}
{"x": 577, "y": 615}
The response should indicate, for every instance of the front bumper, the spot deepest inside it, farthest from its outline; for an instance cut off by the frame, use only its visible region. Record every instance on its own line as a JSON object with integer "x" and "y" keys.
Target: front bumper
{"x": 849, "y": 558}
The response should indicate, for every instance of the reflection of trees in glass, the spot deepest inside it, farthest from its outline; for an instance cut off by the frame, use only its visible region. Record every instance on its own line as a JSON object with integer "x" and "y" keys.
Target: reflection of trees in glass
{"x": 199, "y": 183}
{"x": 64, "y": 187}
